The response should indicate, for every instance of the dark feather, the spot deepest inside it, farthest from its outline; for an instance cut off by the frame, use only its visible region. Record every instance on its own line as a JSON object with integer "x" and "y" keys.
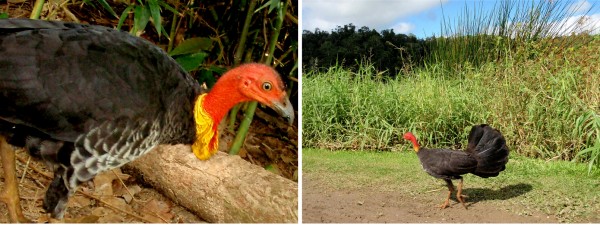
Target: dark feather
{"x": 446, "y": 164}
{"x": 71, "y": 91}
{"x": 488, "y": 147}
{"x": 63, "y": 82}
{"x": 486, "y": 156}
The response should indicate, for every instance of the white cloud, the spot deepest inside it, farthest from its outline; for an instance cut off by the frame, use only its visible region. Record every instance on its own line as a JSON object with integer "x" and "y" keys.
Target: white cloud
{"x": 375, "y": 14}
{"x": 403, "y": 28}
{"x": 578, "y": 24}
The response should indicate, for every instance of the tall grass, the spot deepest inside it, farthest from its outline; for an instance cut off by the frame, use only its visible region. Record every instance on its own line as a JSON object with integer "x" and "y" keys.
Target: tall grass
{"x": 535, "y": 103}
{"x": 511, "y": 29}
{"x": 354, "y": 110}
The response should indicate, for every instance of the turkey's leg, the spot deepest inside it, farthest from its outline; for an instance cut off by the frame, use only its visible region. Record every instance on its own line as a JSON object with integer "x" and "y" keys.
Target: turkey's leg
{"x": 450, "y": 190}
{"x": 459, "y": 196}
{"x": 10, "y": 192}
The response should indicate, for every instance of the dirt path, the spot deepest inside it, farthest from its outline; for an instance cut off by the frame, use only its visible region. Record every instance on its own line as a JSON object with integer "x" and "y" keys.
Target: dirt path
{"x": 322, "y": 203}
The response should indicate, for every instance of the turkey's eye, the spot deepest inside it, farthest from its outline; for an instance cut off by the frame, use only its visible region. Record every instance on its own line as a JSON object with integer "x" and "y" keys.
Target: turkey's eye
{"x": 267, "y": 86}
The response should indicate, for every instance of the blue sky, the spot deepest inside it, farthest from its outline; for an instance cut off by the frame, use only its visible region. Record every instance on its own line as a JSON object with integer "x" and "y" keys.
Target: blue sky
{"x": 419, "y": 17}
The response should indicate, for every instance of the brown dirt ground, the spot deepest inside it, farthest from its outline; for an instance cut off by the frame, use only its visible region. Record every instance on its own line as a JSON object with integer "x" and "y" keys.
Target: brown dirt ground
{"x": 322, "y": 203}
{"x": 109, "y": 200}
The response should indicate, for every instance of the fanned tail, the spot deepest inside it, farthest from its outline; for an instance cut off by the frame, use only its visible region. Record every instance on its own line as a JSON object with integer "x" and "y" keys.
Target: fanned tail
{"x": 488, "y": 147}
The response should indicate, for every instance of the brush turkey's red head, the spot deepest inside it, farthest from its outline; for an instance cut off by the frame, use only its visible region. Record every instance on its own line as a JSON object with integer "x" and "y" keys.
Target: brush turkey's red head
{"x": 249, "y": 82}
{"x": 409, "y": 136}
{"x": 253, "y": 82}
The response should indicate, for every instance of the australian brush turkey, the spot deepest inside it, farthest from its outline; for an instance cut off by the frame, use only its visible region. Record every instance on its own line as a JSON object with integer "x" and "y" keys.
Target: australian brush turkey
{"x": 86, "y": 99}
{"x": 486, "y": 156}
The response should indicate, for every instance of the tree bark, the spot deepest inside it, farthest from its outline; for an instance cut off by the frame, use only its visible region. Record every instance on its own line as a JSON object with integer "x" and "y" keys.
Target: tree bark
{"x": 223, "y": 189}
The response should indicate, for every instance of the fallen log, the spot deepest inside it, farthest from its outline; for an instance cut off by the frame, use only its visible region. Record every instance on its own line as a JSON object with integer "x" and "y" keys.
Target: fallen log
{"x": 223, "y": 189}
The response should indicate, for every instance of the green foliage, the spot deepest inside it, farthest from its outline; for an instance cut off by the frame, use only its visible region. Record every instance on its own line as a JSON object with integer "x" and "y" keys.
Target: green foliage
{"x": 272, "y": 4}
{"x": 142, "y": 11}
{"x": 535, "y": 110}
{"x": 104, "y": 5}
{"x": 512, "y": 29}
{"x": 347, "y": 46}
{"x": 141, "y": 16}
{"x": 192, "y": 45}
{"x": 355, "y": 110}
{"x": 191, "y": 61}
{"x": 588, "y": 128}
{"x": 191, "y": 53}
{"x": 208, "y": 34}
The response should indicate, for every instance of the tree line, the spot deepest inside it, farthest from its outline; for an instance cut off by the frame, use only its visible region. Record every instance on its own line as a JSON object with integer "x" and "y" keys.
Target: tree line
{"x": 346, "y": 46}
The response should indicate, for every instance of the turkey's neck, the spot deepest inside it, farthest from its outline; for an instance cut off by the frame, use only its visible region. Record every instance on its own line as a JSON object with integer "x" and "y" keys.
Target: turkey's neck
{"x": 416, "y": 146}
{"x": 220, "y": 100}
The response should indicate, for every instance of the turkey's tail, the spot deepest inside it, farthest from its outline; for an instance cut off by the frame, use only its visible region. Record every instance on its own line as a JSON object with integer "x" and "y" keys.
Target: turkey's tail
{"x": 488, "y": 147}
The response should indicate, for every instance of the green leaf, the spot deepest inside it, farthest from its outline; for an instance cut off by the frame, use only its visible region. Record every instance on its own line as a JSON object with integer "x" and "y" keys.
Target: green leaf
{"x": 169, "y": 7}
{"x": 3, "y": 15}
{"x": 217, "y": 69}
{"x": 164, "y": 32}
{"x": 141, "y": 17}
{"x": 124, "y": 16}
{"x": 155, "y": 12}
{"x": 206, "y": 76}
{"x": 272, "y": 5}
{"x": 191, "y": 61}
{"x": 192, "y": 45}
{"x": 273, "y": 168}
{"x": 106, "y": 6}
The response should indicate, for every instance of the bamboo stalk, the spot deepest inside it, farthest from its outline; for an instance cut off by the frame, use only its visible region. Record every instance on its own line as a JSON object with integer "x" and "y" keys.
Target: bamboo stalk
{"x": 37, "y": 9}
{"x": 237, "y": 58}
{"x": 239, "y": 53}
{"x": 172, "y": 33}
{"x": 245, "y": 125}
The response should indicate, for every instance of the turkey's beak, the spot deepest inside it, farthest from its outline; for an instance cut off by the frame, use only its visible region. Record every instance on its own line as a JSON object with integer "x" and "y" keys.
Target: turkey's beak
{"x": 284, "y": 108}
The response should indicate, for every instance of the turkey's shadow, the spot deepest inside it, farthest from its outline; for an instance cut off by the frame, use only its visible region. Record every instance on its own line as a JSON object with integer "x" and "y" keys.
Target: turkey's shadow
{"x": 507, "y": 192}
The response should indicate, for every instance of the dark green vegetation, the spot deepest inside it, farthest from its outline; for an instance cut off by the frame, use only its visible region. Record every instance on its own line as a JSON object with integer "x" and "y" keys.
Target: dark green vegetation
{"x": 346, "y": 46}
{"x": 554, "y": 188}
{"x": 538, "y": 88}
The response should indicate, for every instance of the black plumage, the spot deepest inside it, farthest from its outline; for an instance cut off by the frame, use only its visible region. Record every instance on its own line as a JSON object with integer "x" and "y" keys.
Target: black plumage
{"x": 71, "y": 91}
{"x": 486, "y": 156}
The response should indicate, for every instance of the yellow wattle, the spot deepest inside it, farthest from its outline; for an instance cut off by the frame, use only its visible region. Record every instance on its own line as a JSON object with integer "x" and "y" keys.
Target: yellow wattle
{"x": 204, "y": 132}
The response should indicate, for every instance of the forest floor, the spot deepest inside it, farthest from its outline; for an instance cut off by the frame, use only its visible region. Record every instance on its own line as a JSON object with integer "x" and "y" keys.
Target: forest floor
{"x": 390, "y": 187}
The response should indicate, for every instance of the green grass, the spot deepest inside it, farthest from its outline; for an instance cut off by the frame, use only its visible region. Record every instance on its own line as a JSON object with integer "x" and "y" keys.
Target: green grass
{"x": 511, "y": 29}
{"x": 536, "y": 104}
{"x": 558, "y": 188}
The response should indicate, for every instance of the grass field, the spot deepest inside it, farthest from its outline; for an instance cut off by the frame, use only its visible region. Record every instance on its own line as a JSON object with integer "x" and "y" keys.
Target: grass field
{"x": 558, "y": 188}
{"x": 544, "y": 110}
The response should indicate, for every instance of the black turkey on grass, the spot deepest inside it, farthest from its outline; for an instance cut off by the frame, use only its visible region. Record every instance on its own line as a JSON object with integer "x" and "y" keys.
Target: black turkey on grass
{"x": 86, "y": 99}
{"x": 486, "y": 156}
